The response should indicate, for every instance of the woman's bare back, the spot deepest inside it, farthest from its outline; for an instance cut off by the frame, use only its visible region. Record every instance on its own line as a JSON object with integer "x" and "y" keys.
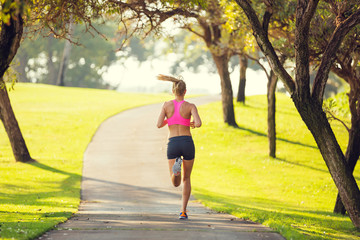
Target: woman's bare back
{"x": 185, "y": 112}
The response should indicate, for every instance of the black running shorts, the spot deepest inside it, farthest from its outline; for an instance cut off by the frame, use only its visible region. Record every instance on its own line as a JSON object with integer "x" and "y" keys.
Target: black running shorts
{"x": 181, "y": 146}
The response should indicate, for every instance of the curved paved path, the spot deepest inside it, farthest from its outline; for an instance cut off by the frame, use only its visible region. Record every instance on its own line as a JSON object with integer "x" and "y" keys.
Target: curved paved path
{"x": 127, "y": 192}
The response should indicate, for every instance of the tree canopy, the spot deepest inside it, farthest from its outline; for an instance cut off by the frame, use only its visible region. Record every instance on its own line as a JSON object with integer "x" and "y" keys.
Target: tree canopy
{"x": 39, "y": 56}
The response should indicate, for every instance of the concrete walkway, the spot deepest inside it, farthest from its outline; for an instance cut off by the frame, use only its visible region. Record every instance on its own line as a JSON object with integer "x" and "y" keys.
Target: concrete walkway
{"x": 127, "y": 192}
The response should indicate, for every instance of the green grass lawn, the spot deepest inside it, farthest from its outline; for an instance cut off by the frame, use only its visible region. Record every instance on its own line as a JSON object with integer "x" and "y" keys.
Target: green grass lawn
{"x": 57, "y": 124}
{"x": 293, "y": 193}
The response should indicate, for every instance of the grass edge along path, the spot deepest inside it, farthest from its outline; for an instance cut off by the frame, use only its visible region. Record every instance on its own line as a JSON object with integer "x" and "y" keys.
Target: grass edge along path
{"x": 57, "y": 124}
{"x": 293, "y": 194}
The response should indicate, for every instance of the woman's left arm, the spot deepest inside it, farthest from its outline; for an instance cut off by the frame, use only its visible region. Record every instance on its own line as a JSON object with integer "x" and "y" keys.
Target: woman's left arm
{"x": 197, "y": 121}
{"x": 161, "y": 120}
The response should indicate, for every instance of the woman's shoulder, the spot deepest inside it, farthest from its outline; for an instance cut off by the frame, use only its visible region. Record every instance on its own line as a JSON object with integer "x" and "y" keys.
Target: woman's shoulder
{"x": 189, "y": 104}
{"x": 168, "y": 103}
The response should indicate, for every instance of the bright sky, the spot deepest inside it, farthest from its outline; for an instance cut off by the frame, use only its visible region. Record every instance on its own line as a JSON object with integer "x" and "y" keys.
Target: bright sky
{"x": 142, "y": 78}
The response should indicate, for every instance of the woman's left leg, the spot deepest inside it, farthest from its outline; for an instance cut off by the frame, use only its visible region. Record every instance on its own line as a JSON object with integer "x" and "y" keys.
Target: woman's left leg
{"x": 187, "y": 168}
{"x": 176, "y": 180}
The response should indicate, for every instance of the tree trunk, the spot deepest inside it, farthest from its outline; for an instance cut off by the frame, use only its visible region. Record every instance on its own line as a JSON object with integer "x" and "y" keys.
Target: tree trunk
{"x": 10, "y": 37}
{"x": 226, "y": 89}
{"x": 12, "y": 129}
{"x": 243, "y": 67}
{"x": 271, "y": 87}
{"x": 65, "y": 58}
{"x": 352, "y": 155}
{"x": 315, "y": 119}
{"x": 51, "y": 79}
{"x": 60, "y": 81}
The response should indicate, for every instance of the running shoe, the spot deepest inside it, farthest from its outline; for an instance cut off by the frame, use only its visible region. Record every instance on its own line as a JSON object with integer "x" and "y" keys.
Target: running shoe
{"x": 183, "y": 216}
{"x": 177, "y": 166}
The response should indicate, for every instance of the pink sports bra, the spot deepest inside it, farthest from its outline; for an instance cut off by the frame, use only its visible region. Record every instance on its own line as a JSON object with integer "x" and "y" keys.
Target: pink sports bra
{"x": 176, "y": 118}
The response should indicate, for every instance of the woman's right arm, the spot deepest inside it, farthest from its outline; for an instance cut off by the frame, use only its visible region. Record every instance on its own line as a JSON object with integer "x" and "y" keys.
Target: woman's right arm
{"x": 161, "y": 120}
{"x": 196, "y": 117}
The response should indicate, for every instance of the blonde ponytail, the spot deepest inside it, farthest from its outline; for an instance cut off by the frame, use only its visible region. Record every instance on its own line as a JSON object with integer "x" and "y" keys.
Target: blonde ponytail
{"x": 179, "y": 86}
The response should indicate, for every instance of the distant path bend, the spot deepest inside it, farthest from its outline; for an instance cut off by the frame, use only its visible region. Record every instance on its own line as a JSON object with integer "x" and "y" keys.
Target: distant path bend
{"x": 127, "y": 192}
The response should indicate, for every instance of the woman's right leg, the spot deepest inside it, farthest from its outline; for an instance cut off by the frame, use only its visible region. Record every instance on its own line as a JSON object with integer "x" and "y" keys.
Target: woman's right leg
{"x": 188, "y": 166}
{"x": 176, "y": 180}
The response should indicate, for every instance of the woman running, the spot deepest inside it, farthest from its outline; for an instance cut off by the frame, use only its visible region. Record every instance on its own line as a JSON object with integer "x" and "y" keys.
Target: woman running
{"x": 177, "y": 114}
